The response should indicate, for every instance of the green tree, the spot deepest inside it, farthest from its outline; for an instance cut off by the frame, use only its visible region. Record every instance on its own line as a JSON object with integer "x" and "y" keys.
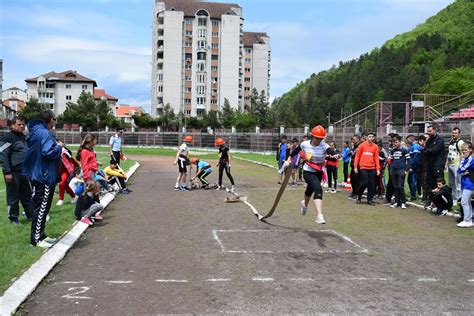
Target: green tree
{"x": 144, "y": 120}
{"x": 227, "y": 117}
{"x": 31, "y": 110}
{"x": 168, "y": 119}
{"x": 212, "y": 119}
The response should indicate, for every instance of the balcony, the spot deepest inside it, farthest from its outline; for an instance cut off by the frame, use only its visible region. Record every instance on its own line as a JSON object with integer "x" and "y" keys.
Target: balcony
{"x": 48, "y": 100}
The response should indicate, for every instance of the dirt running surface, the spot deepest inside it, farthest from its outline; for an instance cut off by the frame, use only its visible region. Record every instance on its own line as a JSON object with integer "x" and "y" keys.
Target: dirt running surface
{"x": 161, "y": 251}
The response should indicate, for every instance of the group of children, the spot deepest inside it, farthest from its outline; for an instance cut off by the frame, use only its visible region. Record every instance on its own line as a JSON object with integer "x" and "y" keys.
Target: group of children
{"x": 85, "y": 184}
{"x": 204, "y": 169}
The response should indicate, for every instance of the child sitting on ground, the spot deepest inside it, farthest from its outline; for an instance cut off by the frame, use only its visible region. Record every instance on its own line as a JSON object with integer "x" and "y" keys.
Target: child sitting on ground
{"x": 118, "y": 176}
{"x": 88, "y": 207}
{"x": 204, "y": 169}
{"x": 103, "y": 180}
{"x": 442, "y": 198}
{"x": 77, "y": 184}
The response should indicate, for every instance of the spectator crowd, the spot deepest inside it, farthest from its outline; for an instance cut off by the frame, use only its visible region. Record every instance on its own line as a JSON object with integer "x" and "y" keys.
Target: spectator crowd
{"x": 35, "y": 163}
{"x": 415, "y": 166}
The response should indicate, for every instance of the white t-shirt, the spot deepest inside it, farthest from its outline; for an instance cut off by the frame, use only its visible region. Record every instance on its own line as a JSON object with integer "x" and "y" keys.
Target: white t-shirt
{"x": 318, "y": 152}
{"x": 183, "y": 149}
{"x": 454, "y": 157}
{"x": 74, "y": 183}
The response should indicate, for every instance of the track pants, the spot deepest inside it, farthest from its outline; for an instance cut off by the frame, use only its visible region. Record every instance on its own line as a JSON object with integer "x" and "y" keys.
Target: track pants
{"x": 222, "y": 167}
{"x": 354, "y": 182}
{"x": 441, "y": 202}
{"x": 313, "y": 179}
{"x": 466, "y": 204}
{"x": 366, "y": 180}
{"x": 92, "y": 210}
{"x": 202, "y": 177}
{"x": 332, "y": 176}
{"x": 120, "y": 182}
{"x": 64, "y": 186}
{"x": 42, "y": 198}
{"x": 398, "y": 182}
{"x": 116, "y": 156}
{"x": 19, "y": 190}
{"x": 346, "y": 171}
{"x": 413, "y": 183}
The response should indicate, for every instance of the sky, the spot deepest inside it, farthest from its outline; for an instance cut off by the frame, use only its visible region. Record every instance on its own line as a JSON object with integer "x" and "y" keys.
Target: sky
{"x": 110, "y": 40}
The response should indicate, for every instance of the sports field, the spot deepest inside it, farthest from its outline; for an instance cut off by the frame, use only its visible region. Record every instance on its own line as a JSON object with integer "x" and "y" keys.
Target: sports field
{"x": 161, "y": 251}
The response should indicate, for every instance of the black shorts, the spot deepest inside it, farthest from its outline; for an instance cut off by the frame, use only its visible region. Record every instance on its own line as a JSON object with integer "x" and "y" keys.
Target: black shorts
{"x": 182, "y": 165}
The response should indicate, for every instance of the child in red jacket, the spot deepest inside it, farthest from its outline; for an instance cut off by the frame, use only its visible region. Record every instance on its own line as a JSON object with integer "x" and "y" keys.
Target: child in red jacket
{"x": 87, "y": 157}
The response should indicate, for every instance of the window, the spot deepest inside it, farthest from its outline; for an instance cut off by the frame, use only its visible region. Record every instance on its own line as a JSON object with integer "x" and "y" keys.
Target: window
{"x": 214, "y": 57}
{"x": 68, "y": 98}
{"x": 188, "y": 57}
{"x": 215, "y": 23}
{"x": 248, "y": 60}
{"x": 213, "y": 101}
{"x": 160, "y": 88}
{"x": 215, "y": 79}
{"x": 202, "y": 22}
{"x": 188, "y": 67}
{"x": 247, "y": 79}
{"x": 68, "y": 86}
{"x": 201, "y": 101}
{"x": 84, "y": 87}
{"x": 247, "y": 98}
{"x": 247, "y": 88}
{"x": 187, "y": 90}
{"x": 201, "y": 67}
{"x": 200, "y": 112}
{"x": 201, "y": 90}
{"x": 247, "y": 69}
{"x": 188, "y": 112}
{"x": 187, "y": 78}
{"x": 188, "y": 44}
{"x": 201, "y": 78}
{"x": 215, "y": 45}
{"x": 214, "y": 68}
{"x": 201, "y": 44}
{"x": 189, "y": 33}
{"x": 48, "y": 86}
{"x": 202, "y": 33}
{"x": 188, "y": 101}
{"x": 201, "y": 56}
{"x": 248, "y": 51}
{"x": 189, "y": 21}
{"x": 215, "y": 34}
{"x": 160, "y": 77}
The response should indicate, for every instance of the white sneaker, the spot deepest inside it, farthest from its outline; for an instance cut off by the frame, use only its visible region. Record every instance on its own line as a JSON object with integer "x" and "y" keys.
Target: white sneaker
{"x": 465, "y": 224}
{"x": 404, "y": 206}
{"x": 232, "y": 189}
{"x": 393, "y": 205}
{"x": 44, "y": 244}
{"x": 434, "y": 209}
{"x": 219, "y": 187}
{"x": 48, "y": 218}
{"x": 59, "y": 203}
{"x": 74, "y": 200}
{"x": 303, "y": 208}
{"x": 320, "y": 219}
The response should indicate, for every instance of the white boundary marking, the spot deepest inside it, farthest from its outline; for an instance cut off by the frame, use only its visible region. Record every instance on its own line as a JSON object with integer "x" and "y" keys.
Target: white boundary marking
{"x": 71, "y": 282}
{"x": 427, "y": 280}
{"x": 223, "y": 248}
{"x": 119, "y": 282}
{"x": 19, "y": 291}
{"x": 171, "y": 281}
{"x": 218, "y": 280}
{"x": 470, "y": 280}
{"x": 368, "y": 279}
{"x": 263, "y": 279}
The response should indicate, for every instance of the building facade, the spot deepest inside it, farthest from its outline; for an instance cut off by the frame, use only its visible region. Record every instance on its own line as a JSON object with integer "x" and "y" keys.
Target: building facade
{"x": 100, "y": 95}
{"x": 57, "y": 89}
{"x": 198, "y": 57}
{"x": 126, "y": 112}
{"x": 1, "y": 74}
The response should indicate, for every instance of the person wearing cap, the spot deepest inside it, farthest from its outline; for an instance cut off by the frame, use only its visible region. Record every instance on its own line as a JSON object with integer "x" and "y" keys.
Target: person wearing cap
{"x": 203, "y": 170}
{"x": 224, "y": 163}
{"x": 115, "y": 145}
{"x": 313, "y": 152}
{"x": 182, "y": 161}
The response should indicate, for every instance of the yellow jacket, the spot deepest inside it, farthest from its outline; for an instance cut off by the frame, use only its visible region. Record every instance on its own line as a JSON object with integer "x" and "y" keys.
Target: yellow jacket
{"x": 114, "y": 172}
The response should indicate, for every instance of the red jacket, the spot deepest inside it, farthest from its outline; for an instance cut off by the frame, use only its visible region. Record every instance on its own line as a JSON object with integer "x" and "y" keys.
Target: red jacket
{"x": 68, "y": 163}
{"x": 367, "y": 156}
{"x": 89, "y": 163}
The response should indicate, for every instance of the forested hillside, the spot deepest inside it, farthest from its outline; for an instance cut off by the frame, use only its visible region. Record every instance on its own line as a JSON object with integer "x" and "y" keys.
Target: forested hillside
{"x": 435, "y": 57}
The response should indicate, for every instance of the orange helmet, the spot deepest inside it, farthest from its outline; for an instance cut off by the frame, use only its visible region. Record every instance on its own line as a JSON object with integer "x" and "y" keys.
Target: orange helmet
{"x": 194, "y": 160}
{"x": 220, "y": 141}
{"x": 188, "y": 139}
{"x": 318, "y": 132}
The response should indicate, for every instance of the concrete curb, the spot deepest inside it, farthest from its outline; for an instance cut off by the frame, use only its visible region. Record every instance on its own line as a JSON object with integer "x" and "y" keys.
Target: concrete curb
{"x": 19, "y": 291}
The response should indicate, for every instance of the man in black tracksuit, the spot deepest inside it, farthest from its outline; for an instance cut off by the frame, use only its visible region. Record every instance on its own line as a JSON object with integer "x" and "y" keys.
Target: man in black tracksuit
{"x": 354, "y": 176}
{"x": 435, "y": 158}
{"x": 12, "y": 148}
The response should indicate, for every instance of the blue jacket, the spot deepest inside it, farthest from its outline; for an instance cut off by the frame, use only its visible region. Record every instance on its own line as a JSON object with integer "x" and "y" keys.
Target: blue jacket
{"x": 346, "y": 154}
{"x": 415, "y": 150}
{"x": 467, "y": 181}
{"x": 43, "y": 157}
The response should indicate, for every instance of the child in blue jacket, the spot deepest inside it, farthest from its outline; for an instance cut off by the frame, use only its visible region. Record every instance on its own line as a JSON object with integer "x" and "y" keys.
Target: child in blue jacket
{"x": 467, "y": 183}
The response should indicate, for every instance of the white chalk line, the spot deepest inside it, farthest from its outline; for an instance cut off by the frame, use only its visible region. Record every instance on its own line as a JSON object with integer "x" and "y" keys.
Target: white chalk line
{"x": 70, "y": 282}
{"x": 263, "y": 279}
{"x": 427, "y": 280}
{"x": 171, "y": 281}
{"x": 218, "y": 280}
{"x": 223, "y": 248}
{"x": 119, "y": 282}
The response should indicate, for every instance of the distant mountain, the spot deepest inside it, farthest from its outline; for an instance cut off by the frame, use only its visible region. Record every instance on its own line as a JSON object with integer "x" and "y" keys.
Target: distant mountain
{"x": 435, "y": 57}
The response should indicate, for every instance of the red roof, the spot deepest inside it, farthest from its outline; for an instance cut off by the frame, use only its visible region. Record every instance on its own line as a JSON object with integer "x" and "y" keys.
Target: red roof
{"x": 191, "y": 7}
{"x": 125, "y": 110}
{"x": 251, "y": 38}
{"x": 100, "y": 94}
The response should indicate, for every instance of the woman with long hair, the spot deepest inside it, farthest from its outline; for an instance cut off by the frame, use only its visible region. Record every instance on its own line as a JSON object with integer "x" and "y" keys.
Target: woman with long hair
{"x": 86, "y": 156}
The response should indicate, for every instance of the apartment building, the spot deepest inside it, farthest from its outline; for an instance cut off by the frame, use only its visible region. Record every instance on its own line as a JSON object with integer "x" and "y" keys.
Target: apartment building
{"x": 198, "y": 56}
{"x": 14, "y": 98}
{"x": 58, "y": 88}
{"x": 257, "y": 57}
{"x": 1, "y": 74}
{"x": 101, "y": 95}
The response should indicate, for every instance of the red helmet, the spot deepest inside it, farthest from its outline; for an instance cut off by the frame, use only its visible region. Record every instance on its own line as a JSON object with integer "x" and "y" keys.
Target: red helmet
{"x": 188, "y": 139}
{"x": 220, "y": 141}
{"x": 194, "y": 160}
{"x": 318, "y": 132}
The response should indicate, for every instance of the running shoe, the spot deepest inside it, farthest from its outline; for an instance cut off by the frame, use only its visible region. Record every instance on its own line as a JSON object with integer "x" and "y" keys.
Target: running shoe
{"x": 443, "y": 212}
{"x": 87, "y": 221}
{"x": 404, "y": 206}
{"x": 44, "y": 244}
{"x": 50, "y": 240}
{"x": 176, "y": 188}
{"x": 464, "y": 224}
{"x": 320, "y": 219}
{"x": 59, "y": 203}
{"x": 15, "y": 221}
{"x": 303, "y": 208}
{"x": 393, "y": 205}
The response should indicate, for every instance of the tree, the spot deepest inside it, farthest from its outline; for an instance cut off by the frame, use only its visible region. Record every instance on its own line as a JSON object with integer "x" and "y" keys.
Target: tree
{"x": 31, "y": 110}
{"x": 168, "y": 118}
{"x": 227, "y": 116}
{"x": 144, "y": 120}
{"x": 212, "y": 119}
{"x": 87, "y": 113}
